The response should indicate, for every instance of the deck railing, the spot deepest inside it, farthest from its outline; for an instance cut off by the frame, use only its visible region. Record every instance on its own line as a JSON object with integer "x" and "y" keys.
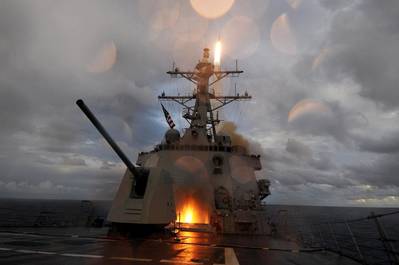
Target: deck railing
{"x": 372, "y": 240}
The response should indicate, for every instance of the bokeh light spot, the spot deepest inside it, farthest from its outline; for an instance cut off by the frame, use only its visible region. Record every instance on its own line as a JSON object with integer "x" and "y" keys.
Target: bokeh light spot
{"x": 104, "y": 59}
{"x": 240, "y": 170}
{"x": 307, "y": 106}
{"x": 318, "y": 60}
{"x": 282, "y": 36}
{"x": 294, "y": 3}
{"x": 210, "y": 8}
{"x": 241, "y": 37}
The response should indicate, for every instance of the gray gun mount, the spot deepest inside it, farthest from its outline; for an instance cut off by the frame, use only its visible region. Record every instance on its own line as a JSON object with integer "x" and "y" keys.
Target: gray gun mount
{"x": 140, "y": 174}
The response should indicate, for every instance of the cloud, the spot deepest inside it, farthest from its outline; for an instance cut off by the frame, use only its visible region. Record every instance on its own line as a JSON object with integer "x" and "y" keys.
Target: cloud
{"x": 298, "y": 149}
{"x": 384, "y": 144}
{"x": 380, "y": 172}
{"x": 43, "y": 72}
{"x": 73, "y": 161}
{"x": 337, "y": 4}
{"x": 346, "y": 156}
{"x": 364, "y": 40}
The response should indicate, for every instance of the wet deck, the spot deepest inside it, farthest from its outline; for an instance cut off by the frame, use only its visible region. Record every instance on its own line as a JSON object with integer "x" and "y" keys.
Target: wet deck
{"x": 91, "y": 246}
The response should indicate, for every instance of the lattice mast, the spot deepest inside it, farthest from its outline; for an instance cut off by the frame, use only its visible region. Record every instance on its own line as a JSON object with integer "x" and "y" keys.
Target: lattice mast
{"x": 201, "y": 114}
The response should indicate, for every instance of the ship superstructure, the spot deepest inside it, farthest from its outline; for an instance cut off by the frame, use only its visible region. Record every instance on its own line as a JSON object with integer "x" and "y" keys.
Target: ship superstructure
{"x": 200, "y": 176}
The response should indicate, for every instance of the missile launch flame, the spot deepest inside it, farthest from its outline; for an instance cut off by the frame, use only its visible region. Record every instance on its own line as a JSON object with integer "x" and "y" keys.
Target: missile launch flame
{"x": 217, "y": 53}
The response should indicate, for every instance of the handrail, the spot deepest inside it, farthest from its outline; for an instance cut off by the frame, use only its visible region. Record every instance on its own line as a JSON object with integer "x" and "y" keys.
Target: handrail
{"x": 358, "y": 243}
{"x": 361, "y": 219}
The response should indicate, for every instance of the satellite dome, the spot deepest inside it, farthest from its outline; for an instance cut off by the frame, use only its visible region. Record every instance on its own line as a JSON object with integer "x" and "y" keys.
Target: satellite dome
{"x": 172, "y": 136}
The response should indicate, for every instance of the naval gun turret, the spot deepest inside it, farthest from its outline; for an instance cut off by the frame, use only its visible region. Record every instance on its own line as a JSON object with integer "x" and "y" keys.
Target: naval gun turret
{"x": 128, "y": 208}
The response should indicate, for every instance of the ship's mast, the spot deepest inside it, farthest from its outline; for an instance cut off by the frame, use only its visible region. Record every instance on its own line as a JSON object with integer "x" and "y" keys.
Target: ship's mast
{"x": 201, "y": 114}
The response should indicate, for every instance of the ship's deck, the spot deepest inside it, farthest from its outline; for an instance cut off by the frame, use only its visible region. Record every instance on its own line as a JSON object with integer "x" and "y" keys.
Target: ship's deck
{"x": 92, "y": 246}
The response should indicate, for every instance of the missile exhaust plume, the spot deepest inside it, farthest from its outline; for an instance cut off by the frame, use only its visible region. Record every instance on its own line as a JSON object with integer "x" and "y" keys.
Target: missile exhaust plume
{"x": 217, "y": 53}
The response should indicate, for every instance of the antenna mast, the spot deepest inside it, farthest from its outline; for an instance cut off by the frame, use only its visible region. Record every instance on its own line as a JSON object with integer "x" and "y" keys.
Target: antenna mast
{"x": 200, "y": 114}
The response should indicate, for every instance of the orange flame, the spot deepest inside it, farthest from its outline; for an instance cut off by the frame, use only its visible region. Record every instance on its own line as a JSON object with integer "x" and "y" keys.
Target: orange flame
{"x": 191, "y": 212}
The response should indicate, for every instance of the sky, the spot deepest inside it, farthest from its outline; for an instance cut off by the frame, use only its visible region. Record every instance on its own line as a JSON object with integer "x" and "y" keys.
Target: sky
{"x": 323, "y": 75}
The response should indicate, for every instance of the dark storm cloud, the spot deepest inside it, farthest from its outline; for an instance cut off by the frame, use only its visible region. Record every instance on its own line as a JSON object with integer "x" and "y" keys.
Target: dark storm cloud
{"x": 364, "y": 40}
{"x": 304, "y": 164}
{"x": 299, "y": 149}
{"x": 73, "y": 161}
{"x": 335, "y": 122}
{"x": 14, "y": 109}
{"x": 383, "y": 144}
{"x": 383, "y": 172}
{"x": 303, "y": 174}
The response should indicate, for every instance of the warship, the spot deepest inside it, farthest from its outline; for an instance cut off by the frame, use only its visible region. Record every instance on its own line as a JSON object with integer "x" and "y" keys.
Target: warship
{"x": 193, "y": 199}
{"x": 200, "y": 177}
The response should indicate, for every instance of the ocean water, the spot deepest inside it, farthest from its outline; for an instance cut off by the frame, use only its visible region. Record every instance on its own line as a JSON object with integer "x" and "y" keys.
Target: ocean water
{"x": 345, "y": 230}
{"x": 51, "y": 213}
{"x": 350, "y": 231}
{"x": 24, "y": 212}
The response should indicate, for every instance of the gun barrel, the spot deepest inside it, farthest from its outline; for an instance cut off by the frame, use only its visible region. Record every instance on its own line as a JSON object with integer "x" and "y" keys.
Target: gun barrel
{"x": 107, "y": 137}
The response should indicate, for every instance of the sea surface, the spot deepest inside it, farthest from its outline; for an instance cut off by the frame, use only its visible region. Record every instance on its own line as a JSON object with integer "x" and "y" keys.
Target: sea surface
{"x": 31, "y": 212}
{"x": 351, "y": 231}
